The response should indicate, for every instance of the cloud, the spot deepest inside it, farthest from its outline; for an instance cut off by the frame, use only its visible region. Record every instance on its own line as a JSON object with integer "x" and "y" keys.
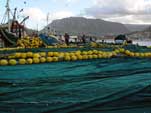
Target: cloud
{"x": 128, "y": 10}
{"x": 34, "y": 13}
{"x": 72, "y": 0}
{"x": 38, "y": 17}
{"x": 66, "y": 1}
{"x": 61, "y": 14}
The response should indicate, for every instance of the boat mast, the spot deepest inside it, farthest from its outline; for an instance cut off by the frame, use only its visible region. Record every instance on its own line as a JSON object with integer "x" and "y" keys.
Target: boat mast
{"x": 14, "y": 16}
{"x": 8, "y": 15}
{"x": 47, "y": 20}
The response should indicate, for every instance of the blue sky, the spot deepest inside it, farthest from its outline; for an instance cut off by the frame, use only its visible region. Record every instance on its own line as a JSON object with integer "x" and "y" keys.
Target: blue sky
{"x": 124, "y": 11}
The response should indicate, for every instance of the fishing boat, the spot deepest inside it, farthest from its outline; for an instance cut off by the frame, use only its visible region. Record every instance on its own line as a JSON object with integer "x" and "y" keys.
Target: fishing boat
{"x": 12, "y": 29}
{"x": 49, "y": 38}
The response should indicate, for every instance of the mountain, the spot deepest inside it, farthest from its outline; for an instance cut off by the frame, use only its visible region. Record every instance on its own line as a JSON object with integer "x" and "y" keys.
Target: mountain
{"x": 136, "y": 27}
{"x": 148, "y": 29}
{"x": 144, "y": 34}
{"x": 30, "y": 31}
{"x": 80, "y": 25}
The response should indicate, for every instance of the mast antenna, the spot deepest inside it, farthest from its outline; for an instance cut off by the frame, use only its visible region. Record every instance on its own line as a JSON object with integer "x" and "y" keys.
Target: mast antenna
{"x": 8, "y": 15}
{"x": 47, "y": 19}
{"x": 47, "y": 23}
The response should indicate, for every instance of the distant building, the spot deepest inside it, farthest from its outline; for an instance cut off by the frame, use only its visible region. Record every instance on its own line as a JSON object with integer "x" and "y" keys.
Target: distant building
{"x": 120, "y": 39}
{"x": 74, "y": 39}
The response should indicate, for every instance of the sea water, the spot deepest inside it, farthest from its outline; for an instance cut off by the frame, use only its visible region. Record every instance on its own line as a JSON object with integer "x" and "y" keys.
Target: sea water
{"x": 139, "y": 42}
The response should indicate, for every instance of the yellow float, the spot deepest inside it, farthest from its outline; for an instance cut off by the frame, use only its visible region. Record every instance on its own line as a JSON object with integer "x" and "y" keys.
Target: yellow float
{"x": 29, "y": 61}
{"x": 23, "y": 55}
{"x": 49, "y": 59}
{"x": 42, "y": 59}
{"x": 36, "y": 55}
{"x": 3, "y": 62}
{"x": 36, "y": 60}
{"x": 12, "y": 62}
{"x": 29, "y": 54}
{"x": 42, "y": 54}
{"x": 74, "y": 58}
{"x": 55, "y": 59}
{"x": 50, "y": 54}
{"x": 22, "y": 61}
{"x": 67, "y": 58}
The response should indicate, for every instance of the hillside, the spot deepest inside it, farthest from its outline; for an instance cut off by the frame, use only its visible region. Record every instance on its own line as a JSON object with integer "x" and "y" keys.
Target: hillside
{"x": 80, "y": 25}
{"x": 141, "y": 35}
{"x": 136, "y": 27}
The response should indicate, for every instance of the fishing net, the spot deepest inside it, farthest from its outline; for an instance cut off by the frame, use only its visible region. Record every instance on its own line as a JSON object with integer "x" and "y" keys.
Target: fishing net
{"x": 93, "y": 86}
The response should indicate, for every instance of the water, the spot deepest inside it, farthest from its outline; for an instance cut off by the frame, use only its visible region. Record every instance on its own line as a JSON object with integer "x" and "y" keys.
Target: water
{"x": 139, "y": 42}
{"x": 143, "y": 43}
{"x": 94, "y": 86}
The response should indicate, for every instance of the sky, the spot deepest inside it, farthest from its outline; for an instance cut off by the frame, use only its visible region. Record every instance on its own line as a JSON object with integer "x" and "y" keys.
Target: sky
{"x": 123, "y": 11}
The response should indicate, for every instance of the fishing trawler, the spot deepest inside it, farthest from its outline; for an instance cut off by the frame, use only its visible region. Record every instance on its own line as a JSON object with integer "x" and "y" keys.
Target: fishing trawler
{"x": 11, "y": 29}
